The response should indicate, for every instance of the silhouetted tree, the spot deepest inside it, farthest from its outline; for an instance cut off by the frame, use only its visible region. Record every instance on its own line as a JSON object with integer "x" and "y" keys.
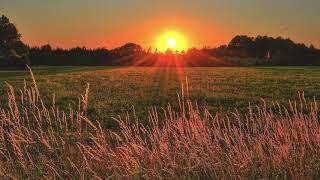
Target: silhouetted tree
{"x": 13, "y": 52}
{"x": 130, "y": 49}
{"x": 241, "y": 45}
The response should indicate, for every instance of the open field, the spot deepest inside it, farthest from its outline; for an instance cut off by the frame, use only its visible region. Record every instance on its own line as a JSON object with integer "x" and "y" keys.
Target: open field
{"x": 38, "y": 139}
{"x": 113, "y": 91}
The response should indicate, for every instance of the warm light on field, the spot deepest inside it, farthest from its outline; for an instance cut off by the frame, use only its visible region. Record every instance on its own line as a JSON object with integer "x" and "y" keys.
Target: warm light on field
{"x": 172, "y": 40}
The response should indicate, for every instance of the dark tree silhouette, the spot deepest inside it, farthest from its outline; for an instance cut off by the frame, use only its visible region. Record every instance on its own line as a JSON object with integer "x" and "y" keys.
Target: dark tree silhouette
{"x": 268, "y": 51}
{"x": 241, "y": 45}
{"x": 13, "y": 52}
{"x": 263, "y": 49}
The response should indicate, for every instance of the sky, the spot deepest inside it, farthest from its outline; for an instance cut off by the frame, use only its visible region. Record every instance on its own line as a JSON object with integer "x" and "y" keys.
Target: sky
{"x": 111, "y": 23}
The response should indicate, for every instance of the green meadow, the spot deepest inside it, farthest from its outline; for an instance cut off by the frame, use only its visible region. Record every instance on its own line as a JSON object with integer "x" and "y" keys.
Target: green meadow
{"x": 116, "y": 90}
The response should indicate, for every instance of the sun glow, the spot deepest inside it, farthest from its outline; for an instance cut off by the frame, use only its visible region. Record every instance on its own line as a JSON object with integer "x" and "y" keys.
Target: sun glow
{"x": 171, "y": 40}
{"x": 172, "y": 43}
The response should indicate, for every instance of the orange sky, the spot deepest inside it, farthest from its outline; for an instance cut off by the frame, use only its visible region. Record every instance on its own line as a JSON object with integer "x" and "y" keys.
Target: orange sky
{"x": 196, "y": 33}
{"x": 111, "y": 23}
{"x": 146, "y": 33}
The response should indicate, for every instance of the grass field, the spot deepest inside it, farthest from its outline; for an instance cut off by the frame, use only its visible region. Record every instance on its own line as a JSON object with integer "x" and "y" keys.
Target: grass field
{"x": 43, "y": 139}
{"x": 113, "y": 91}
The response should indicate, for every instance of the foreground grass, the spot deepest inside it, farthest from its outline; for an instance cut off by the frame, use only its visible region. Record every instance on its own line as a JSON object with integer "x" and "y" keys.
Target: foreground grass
{"x": 37, "y": 140}
{"x": 115, "y": 90}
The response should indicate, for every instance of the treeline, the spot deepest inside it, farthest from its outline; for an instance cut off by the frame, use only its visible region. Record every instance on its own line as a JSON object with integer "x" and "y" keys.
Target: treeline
{"x": 268, "y": 51}
{"x": 46, "y": 55}
{"x": 261, "y": 50}
{"x": 128, "y": 55}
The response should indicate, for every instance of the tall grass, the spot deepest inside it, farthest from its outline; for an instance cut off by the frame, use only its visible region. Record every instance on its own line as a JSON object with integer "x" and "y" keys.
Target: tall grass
{"x": 38, "y": 140}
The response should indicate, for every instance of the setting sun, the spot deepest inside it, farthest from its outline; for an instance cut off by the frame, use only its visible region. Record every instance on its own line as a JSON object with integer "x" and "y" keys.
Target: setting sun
{"x": 172, "y": 40}
{"x": 172, "y": 43}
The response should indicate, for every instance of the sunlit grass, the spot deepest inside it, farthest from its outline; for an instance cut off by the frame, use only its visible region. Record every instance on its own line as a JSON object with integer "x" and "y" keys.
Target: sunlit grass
{"x": 38, "y": 140}
{"x": 115, "y": 90}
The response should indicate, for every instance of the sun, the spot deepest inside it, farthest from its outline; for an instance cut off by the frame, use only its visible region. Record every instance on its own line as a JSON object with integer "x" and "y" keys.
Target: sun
{"x": 172, "y": 40}
{"x": 172, "y": 43}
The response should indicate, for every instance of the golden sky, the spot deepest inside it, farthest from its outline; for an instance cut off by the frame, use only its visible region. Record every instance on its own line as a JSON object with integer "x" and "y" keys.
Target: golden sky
{"x": 111, "y": 23}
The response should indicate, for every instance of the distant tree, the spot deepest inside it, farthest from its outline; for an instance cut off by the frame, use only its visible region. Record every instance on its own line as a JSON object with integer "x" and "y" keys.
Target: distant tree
{"x": 46, "y": 48}
{"x": 149, "y": 50}
{"x": 312, "y": 47}
{"x": 241, "y": 45}
{"x": 241, "y": 41}
{"x": 13, "y": 51}
{"x": 132, "y": 48}
{"x": 8, "y": 34}
{"x": 169, "y": 52}
{"x": 128, "y": 49}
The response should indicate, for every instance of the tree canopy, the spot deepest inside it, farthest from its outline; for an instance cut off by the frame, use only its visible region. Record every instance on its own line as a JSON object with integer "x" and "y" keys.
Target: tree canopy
{"x": 13, "y": 52}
